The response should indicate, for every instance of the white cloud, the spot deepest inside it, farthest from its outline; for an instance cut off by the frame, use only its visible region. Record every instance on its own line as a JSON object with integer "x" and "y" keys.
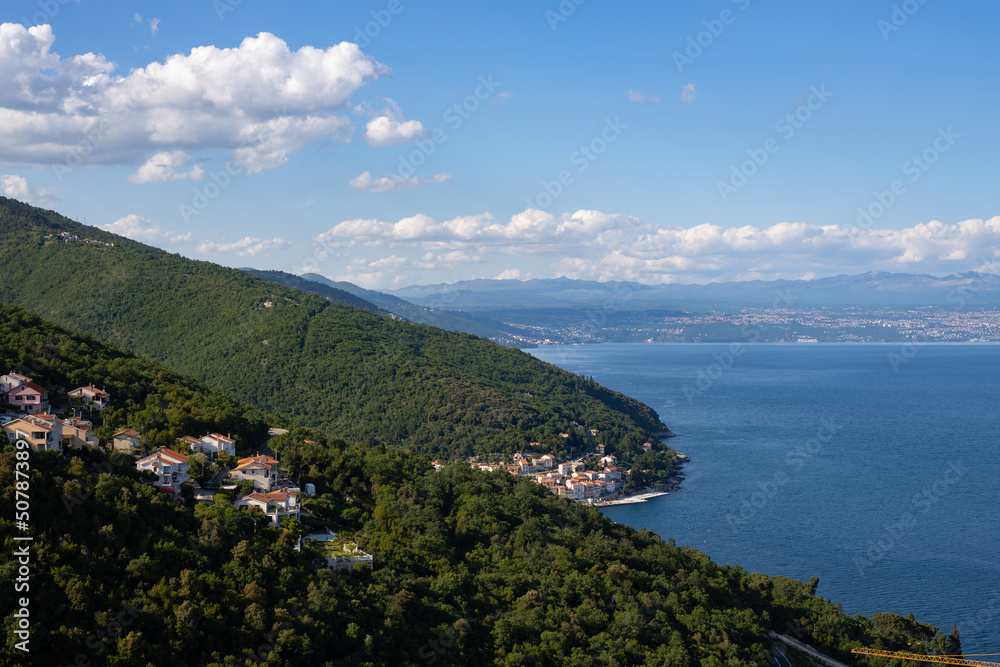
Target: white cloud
{"x": 260, "y": 100}
{"x": 18, "y": 187}
{"x": 637, "y": 96}
{"x": 249, "y": 246}
{"x": 144, "y": 230}
{"x": 502, "y": 97}
{"x": 162, "y": 168}
{"x": 577, "y": 244}
{"x": 154, "y": 26}
{"x": 689, "y": 94}
{"x": 524, "y": 230}
{"x": 393, "y": 183}
{"x": 512, "y": 274}
{"x": 388, "y": 131}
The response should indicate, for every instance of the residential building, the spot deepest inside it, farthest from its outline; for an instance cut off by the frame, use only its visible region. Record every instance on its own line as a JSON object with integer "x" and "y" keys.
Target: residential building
{"x": 277, "y": 505}
{"x": 263, "y": 471}
{"x": 29, "y": 397}
{"x": 126, "y": 441}
{"x": 170, "y": 467}
{"x": 91, "y": 397}
{"x": 11, "y": 380}
{"x": 215, "y": 443}
{"x": 76, "y": 433}
{"x": 546, "y": 462}
{"x": 43, "y": 432}
{"x": 193, "y": 444}
{"x": 566, "y": 468}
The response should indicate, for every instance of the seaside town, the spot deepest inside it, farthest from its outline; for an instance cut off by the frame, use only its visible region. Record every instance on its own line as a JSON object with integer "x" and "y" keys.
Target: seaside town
{"x": 256, "y": 481}
{"x": 594, "y": 478}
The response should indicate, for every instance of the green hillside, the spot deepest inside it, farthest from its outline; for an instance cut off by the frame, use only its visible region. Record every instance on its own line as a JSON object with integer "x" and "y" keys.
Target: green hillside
{"x": 331, "y": 366}
{"x": 470, "y": 568}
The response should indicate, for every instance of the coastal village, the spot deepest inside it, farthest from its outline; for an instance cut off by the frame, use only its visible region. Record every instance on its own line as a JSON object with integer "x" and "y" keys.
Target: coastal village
{"x": 257, "y": 481}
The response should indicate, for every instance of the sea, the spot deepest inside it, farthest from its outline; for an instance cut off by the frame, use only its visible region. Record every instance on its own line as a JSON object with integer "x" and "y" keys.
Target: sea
{"x": 875, "y": 468}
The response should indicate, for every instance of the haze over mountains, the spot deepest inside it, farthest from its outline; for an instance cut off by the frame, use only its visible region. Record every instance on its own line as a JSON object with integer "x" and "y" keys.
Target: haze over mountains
{"x": 867, "y": 289}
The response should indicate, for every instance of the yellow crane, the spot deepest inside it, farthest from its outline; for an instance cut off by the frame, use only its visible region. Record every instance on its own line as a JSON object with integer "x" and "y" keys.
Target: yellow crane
{"x": 943, "y": 659}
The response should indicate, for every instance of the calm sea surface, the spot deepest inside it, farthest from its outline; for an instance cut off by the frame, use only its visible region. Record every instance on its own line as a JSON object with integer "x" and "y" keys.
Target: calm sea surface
{"x": 873, "y": 467}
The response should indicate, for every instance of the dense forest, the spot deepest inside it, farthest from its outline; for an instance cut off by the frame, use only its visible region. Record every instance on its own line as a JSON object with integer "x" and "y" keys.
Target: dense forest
{"x": 471, "y": 568}
{"x": 330, "y": 366}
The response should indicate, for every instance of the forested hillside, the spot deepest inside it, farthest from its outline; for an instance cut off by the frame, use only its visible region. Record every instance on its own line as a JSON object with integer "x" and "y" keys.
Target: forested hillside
{"x": 330, "y": 366}
{"x": 470, "y": 568}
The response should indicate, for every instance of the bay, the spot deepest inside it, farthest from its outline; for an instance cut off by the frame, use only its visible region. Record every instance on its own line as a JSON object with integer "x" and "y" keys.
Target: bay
{"x": 875, "y": 468}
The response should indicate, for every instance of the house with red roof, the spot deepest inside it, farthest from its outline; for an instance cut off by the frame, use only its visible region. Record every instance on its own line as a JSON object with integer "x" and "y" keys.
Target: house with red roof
{"x": 29, "y": 397}
{"x": 277, "y": 505}
{"x": 171, "y": 469}
{"x": 263, "y": 471}
{"x": 43, "y": 432}
{"x": 215, "y": 443}
{"x": 77, "y": 433}
{"x": 90, "y": 396}
{"x": 126, "y": 441}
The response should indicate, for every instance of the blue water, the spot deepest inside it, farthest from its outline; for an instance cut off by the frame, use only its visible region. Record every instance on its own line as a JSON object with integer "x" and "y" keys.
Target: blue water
{"x": 873, "y": 467}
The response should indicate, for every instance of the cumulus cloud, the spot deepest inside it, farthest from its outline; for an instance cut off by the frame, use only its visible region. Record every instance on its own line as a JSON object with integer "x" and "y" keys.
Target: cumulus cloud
{"x": 249, "y": 246}
{"x": 162, "y": 168}
{"x": 388, "y": 131}
{"x": 525, "y": 230}
{"x": 394, "y": 182}
{"x": 689, "y": 94}
{"x": 145, "y": 230}
{"x": 638, "y": 96}
{"x": 261, "y": 101}
{"x": 576, "y": 244}
{"x": 18, "y": 187}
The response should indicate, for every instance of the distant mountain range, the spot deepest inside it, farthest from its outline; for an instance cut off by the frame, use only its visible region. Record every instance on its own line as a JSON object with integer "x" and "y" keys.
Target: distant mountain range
{"x": 867, "y": 289}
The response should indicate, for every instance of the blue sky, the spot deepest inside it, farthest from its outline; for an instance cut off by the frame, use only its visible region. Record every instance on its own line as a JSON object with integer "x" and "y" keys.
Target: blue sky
{"x": 401, "y": 142}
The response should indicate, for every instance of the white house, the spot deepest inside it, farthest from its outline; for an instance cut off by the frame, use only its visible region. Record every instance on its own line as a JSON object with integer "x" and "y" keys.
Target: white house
{"x": 277, "y": 505}
{"x": 216, "y": 442}
{"x": 11, "y": 380}
{"x": 91, "y": 396}
{"x": 546, "y": 462}
{"x": 263, "y": 471}
{"x": 170, "y": 467}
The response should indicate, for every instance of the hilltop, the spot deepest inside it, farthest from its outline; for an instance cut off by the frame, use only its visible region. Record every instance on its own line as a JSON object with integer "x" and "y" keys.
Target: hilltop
{"x": 328, "y": 365}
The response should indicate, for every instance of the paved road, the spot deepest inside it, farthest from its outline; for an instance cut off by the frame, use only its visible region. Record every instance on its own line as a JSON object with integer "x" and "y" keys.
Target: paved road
{"x": 779, "y": 655}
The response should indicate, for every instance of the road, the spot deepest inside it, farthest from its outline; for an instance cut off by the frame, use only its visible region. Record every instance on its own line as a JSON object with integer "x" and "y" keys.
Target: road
{"x": 780, "y": 657}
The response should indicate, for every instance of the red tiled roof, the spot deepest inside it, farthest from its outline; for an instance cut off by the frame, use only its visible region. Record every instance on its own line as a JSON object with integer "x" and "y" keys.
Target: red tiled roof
{"x": 129, "y": 433}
